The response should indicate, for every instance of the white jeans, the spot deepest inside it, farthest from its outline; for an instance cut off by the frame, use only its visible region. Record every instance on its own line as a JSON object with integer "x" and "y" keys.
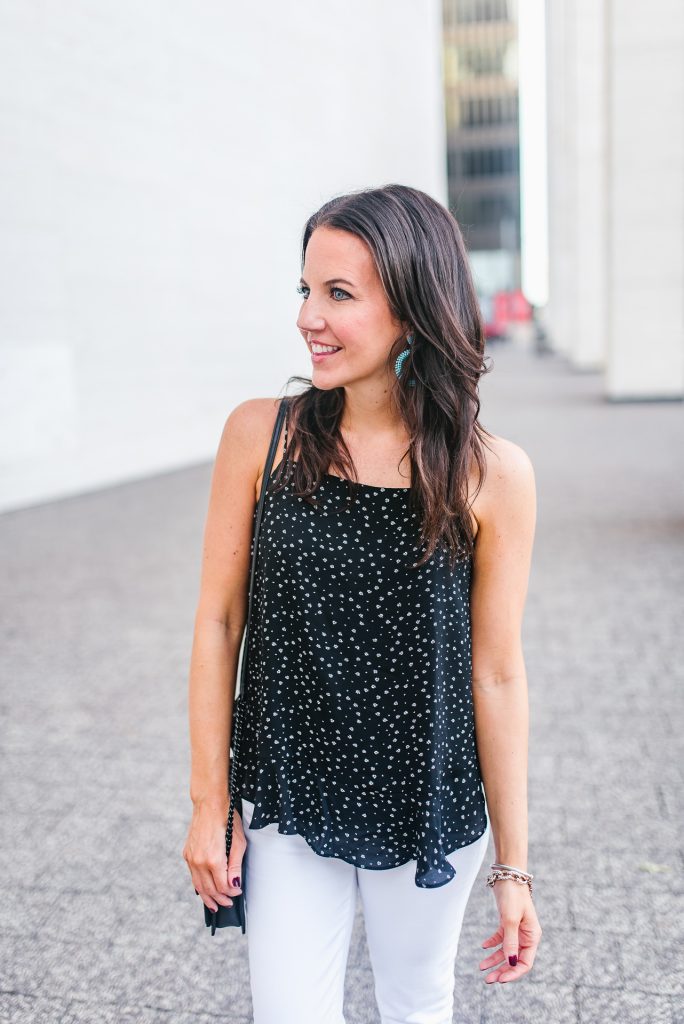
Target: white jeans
{"x": 300, "y": 910}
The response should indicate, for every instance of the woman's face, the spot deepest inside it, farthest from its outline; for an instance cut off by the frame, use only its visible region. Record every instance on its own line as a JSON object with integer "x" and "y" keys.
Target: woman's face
{"x": 344, "y": 305}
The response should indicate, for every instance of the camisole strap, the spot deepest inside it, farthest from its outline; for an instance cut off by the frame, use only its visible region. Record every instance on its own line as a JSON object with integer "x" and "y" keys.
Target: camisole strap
{"x": 287, "y": 417}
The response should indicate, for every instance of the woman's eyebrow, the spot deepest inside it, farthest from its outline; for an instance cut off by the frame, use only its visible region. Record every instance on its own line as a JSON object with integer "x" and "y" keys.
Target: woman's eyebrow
{"x": 333, "y": 280}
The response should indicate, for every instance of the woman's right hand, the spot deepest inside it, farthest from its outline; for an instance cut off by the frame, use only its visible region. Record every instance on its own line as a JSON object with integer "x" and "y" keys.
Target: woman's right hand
{"x": 205, "y": 854}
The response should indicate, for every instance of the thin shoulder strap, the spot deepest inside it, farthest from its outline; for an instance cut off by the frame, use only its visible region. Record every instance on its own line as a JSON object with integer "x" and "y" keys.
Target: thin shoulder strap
{"x": 287, "y": 422}
{"x": 282, "y": 410}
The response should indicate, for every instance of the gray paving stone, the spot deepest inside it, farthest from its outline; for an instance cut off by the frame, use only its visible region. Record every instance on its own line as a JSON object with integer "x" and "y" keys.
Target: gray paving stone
{"x": 597, "y": 908}
{"x": 20, "y": 1009}
{"x": 529, "y": 1004}
{"x": 600, "y": 1007}
{"x": 653, "y": 967}
{"x": 83, "y": 1013}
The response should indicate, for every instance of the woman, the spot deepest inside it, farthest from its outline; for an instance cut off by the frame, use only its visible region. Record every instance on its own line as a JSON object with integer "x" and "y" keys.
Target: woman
{"x": 387, "y": 694}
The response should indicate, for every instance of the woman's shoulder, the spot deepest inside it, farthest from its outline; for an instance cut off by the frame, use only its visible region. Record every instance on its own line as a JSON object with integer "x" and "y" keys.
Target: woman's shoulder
{"x": 248, "y": 427}
{"x": 248, "y": 430}
{"x": 251, "y": 423}
{"x": 508, "y": 482}
{"x": 255, "y": 412}
{"x": 505, "y": 457}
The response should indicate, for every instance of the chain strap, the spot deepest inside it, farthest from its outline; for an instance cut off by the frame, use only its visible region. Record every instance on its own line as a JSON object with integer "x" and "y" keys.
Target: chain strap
{"x": 237, "y": 718}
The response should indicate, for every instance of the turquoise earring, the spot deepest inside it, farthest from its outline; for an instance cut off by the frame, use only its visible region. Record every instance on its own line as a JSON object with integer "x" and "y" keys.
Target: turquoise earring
{"x": 400, "y": 359}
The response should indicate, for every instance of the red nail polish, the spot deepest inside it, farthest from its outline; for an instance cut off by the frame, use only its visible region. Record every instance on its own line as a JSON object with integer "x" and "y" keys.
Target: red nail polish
{"x": 236, "y": 882}
{"x": 513, "y": 960}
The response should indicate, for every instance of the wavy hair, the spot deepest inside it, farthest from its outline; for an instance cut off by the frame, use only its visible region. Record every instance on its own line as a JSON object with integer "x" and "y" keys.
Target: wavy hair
{"x": 421, "y": 259}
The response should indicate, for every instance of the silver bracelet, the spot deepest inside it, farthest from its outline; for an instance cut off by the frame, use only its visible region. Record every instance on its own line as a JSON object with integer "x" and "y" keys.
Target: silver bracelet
{"x": 509, "y": 867}
{"x": 502, "y": 871}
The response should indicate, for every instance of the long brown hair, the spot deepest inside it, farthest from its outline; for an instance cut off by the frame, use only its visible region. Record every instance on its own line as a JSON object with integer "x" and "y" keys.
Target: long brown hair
{"x": 421, "y": 258}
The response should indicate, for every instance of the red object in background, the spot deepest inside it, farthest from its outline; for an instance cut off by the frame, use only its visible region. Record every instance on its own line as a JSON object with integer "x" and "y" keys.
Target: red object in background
{"x": 505, "y": 308}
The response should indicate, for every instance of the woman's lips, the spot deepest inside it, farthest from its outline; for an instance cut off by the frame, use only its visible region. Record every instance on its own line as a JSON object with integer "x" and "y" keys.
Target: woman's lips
{"x": 318, "y": 357}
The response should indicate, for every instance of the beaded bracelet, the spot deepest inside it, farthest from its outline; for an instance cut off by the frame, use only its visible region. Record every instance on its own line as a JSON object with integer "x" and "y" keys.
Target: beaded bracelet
{"x": 506, "y": 871}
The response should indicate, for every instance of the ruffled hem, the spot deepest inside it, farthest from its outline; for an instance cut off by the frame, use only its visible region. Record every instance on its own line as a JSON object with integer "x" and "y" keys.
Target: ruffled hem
{"x": 433, "y": 870}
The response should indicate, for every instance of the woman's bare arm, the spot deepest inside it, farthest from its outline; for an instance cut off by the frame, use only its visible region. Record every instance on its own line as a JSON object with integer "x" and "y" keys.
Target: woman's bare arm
{"x": 506, "y": 514}
{"x": 222, "y": 605}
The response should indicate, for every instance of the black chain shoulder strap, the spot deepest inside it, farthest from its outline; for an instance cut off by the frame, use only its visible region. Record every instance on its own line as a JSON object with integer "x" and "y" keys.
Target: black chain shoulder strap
{"x": 238, "y": 705}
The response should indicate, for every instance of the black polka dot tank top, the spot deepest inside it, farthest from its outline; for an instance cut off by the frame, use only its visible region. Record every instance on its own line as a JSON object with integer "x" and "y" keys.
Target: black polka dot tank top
{"x": 358, "y": 728}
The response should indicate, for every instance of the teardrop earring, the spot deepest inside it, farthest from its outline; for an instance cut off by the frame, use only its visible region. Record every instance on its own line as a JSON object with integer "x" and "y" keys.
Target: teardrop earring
{"x": 400, "y": 359}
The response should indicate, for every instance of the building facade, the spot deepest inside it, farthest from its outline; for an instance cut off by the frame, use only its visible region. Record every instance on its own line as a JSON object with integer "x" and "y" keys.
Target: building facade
{"x": 483, "y": 162}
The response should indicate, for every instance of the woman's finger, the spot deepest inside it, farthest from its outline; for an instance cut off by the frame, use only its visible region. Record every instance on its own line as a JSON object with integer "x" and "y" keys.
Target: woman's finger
{"x": 493, "y": 940}
{"x": 495, "y": 959}
{"x": 220, "y": 889}
{"x": 504, "y": 972}
{"x": 508, "y": 973}
{"x": 212, "y": 902}
{"x": 234, "y": 873}
{"x": 235, "y": 877}
{"x": 206, "y": 887}
{"x": 496, "y": 956}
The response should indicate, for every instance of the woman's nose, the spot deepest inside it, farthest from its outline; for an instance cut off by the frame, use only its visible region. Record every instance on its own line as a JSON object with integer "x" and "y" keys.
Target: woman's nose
{"x": 309, "y": 320}
{"x": 311, "y": 324}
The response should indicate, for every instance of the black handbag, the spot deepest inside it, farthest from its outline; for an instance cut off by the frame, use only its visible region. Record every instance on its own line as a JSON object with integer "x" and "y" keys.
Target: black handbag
{"x": 224, "y": 917}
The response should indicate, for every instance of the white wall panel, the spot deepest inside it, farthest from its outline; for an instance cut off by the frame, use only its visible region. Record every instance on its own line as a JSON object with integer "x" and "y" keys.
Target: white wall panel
{"x": 158, "y": 165}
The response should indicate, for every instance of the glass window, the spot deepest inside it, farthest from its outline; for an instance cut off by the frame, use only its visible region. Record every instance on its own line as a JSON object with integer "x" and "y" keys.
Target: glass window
{"x": 468, "y": 11}
{"x": 475, "y": 163}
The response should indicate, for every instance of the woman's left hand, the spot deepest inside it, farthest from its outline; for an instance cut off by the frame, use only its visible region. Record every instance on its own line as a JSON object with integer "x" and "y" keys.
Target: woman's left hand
{"x": 518, "y": 934}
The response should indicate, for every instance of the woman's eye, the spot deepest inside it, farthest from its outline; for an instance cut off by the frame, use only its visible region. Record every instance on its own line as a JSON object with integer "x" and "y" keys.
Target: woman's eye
{"x": 304, "y": 291}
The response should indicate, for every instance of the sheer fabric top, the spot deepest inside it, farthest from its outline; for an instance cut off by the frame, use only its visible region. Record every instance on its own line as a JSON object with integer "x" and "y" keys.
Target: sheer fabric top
{"x": 358, "y": 727}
